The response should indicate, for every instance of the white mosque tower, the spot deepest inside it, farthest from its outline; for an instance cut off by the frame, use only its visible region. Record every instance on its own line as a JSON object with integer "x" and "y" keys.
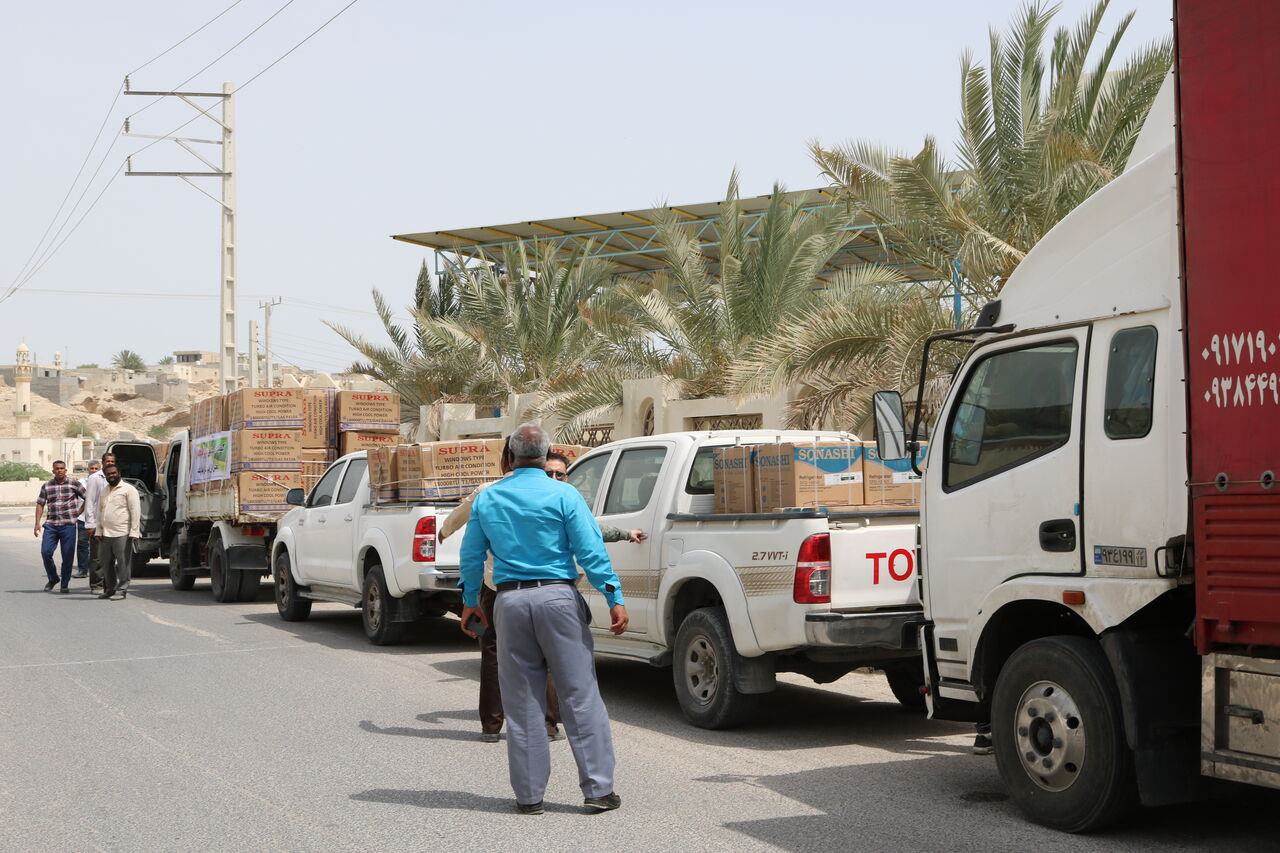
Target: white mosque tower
{"x": 22, "y": 381}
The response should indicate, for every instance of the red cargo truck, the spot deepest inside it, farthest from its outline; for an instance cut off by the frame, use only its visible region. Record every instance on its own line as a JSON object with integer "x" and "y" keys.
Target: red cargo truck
{"x": 1114, "y": 433}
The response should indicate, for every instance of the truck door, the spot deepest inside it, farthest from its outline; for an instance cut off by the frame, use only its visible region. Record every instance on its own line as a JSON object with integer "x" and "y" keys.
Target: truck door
{"x": 1002, "y": 490}
{"x": 630, "y": 502}
{"x": 318, "y": 532}
{"x": 341, "y": 527}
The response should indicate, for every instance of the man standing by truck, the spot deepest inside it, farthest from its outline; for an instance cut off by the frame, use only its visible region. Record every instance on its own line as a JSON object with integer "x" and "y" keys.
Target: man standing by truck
{"x": 62, "y": 498}
{"x": 84, "y": 536}
{"x": 94, "y": 486}
{"x": 119, "y": 514}
{"x": 539, "y": 530}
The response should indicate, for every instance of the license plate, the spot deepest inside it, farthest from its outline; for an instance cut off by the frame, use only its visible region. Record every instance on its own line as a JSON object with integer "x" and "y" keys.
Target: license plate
{"x": 1112, "y": 555}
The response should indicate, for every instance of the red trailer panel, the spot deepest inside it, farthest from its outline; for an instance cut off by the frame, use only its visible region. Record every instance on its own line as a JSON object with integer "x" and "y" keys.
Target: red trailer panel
{"x": 1228, "y": 55}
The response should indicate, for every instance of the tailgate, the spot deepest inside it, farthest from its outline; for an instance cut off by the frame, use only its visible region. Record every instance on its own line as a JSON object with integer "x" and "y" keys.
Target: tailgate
{"x": 873, "y": 567}
{"x": 448, "y": 550}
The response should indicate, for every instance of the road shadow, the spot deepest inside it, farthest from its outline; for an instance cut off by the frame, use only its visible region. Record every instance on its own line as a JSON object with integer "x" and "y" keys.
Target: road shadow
{"x": 945, "y": 804}
{"x": 425, "y": 734}
{"x": 461, "y": 800}
{"x": 341, "y": 628}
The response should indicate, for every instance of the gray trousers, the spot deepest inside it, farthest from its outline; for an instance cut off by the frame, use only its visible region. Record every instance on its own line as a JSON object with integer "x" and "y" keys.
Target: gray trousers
{"x": 114, "y": 552}
{"x": 545, "y": 628}
{"x": 95, "y": 563}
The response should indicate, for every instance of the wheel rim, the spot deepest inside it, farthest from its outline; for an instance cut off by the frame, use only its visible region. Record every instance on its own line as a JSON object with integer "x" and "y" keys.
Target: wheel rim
{"x": 373, "y": 606}
{"x": 1050, "y": 736}
{"x": 282, "y": 584}
{"x": 701, "y": 670}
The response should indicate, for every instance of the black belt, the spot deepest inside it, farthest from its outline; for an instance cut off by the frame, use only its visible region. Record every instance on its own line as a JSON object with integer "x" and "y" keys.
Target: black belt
{"x": 507, "y": 586}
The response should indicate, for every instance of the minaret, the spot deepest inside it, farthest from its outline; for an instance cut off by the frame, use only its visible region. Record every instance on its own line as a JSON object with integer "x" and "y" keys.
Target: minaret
{"x": 57, "y": 361}
{"x": 22, "y": 371}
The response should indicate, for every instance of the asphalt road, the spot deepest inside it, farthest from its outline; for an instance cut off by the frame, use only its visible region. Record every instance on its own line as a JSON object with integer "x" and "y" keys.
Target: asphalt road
{"x": 167, "y": 722}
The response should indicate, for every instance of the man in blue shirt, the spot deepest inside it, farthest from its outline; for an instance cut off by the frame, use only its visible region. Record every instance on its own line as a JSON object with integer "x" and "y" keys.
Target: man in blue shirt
{"x": 539, "y": 531}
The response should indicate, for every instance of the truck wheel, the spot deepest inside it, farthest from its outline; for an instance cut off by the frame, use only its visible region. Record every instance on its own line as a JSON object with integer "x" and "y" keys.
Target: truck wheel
{"x": 376, "y": 611}
{"x": 292, "y": 607}
{"x": 250, "y": 584}
{"x": 703, "y": 670}
{"x": 1059, "y": 735}
{"x": 905, "y": 680}
{"x": 176, "y": 577}
{"x": 223, "y": 581}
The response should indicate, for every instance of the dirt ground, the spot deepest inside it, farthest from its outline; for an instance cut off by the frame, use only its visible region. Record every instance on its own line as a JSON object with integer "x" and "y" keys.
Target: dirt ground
{"x": 105, "y": 415}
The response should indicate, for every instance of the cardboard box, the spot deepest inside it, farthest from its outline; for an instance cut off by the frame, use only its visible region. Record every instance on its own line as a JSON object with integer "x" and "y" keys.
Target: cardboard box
{"x": 892, "y": 482}
{"x": 573, "y": 451}
{"x": 315, "y": 461}
{"x": 350, "y": 442}
{"x": 734, "y": 475}
{"x": 264, "y": 491}
{"x": 448, "y": 470}
{"x": 266, "y": 450}
{"x": 319, "y": 418}
{"x": 263, "y": 408}
{"x": 384, "y": 473}
{"x": 368, "y": 411}
{"x": 813, "y": 474}
{"x": 208, "y": 416}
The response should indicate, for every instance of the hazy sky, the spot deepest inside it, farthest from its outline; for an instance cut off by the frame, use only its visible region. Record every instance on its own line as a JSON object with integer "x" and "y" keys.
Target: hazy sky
{"x": 414, "y": 116}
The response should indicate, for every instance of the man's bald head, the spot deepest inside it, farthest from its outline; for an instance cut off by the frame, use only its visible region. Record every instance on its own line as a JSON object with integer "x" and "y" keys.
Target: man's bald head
{"x": 529, "y": 445}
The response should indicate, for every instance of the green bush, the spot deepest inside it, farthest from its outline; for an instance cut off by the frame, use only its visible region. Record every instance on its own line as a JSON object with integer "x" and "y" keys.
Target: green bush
{"x": 159, "y": 432}
{"x": 90, "y": 366}
{"x": 11, "y": 471}
{"x": 75, "y": 429}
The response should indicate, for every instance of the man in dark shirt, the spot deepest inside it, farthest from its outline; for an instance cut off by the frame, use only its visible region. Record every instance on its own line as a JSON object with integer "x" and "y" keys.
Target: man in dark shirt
{"x": 60, "y": 502}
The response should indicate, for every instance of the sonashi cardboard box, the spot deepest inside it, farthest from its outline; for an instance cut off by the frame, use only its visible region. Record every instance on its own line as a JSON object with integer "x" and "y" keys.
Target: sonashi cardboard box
{"x": 319, "y": 418}
{"x": 813, "y": 474}
{"x": 891, "y": 482}
{"x": 264, "y": 491}
{"x": 447, "y": 470}
{"x": 368, "y": 411}
{"x": 350, "y": 442}
{"x": 266, "y": 450}
{"x": 315, "y": 461}
{"x": 259, "y": 408}
{"x": 384, "y": 473}
{"x": 734, "y": 477}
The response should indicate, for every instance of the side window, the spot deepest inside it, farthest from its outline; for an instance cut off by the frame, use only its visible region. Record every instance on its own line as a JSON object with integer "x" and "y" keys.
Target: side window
{"x": 355, "y": 470}
{"x": 634, "y": 479}
{"x": 702, "y": 472}
{"x": 586, "y": 476}
{"x": 1131, "y": 374}
{"x": 322, "y": 494}
{"x": 1016, "y": 405}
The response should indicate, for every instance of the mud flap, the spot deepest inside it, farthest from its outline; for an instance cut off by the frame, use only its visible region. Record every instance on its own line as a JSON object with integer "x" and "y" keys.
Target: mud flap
{"x": 754, "y": 675}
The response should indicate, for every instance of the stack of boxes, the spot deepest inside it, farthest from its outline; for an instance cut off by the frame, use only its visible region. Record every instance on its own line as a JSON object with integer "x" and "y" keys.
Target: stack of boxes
{"x": 834, "y": 475}
{"x": 266, "y": 446}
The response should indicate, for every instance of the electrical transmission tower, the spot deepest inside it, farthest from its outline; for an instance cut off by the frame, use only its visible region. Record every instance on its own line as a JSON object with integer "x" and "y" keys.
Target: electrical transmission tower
{"x": 227, "y": 370}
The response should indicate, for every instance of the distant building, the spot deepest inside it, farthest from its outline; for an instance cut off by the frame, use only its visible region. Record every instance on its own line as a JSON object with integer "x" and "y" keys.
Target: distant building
{"x": 21, "y": 447}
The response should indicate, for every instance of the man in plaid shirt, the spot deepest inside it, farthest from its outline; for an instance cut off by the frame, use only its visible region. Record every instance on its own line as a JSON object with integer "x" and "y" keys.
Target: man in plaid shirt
{"x": 61, "y": 500}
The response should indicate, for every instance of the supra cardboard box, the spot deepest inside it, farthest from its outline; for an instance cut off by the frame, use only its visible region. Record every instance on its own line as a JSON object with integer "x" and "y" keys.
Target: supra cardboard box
{"x": 368, "y": 411}
{"x": 263, "y": 491}
{"x": 319, "y": 418}
{"x": 315, "y": 461}
{"x": 813, "y": 474}
{"x": 573, "y": 451}
{"x": 260, "y": 408}
{"x": 891, "y": 482}
{"x": 734, "y": 476}
{"x": 384, "y": 473}
{"x": 350, "y": 442}
{"x": 208, "y": 416}
{"x": 447, "y": 470}
{"x": 266, "y": 450}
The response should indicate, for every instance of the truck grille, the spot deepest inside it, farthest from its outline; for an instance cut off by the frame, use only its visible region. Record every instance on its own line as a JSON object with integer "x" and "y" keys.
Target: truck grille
{"x": 1237, "y": 565}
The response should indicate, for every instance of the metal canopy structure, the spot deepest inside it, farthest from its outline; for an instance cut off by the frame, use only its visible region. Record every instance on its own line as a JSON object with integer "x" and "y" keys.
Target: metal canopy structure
{"x": 629, "y": 240}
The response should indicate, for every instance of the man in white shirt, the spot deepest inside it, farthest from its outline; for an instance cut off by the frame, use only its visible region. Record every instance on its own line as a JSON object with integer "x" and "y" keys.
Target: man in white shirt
{"x": 94, "y": 486}
{"x": 119, "y": 514}
{"x": 84, "y": 536}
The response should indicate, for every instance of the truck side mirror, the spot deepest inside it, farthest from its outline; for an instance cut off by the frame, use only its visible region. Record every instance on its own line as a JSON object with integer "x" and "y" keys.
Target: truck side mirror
{"x": 890, "y": 425}
{"x": 295, "y": 497}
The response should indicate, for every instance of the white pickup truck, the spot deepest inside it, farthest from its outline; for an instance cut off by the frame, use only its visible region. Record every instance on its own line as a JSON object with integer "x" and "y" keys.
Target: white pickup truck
{"x": 730, "y": 600}
{"x": 337, "y": 545}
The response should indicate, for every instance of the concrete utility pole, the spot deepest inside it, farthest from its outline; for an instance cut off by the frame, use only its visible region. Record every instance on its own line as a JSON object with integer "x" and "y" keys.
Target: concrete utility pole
{"x": 227, "y": 372}
{"x": 253, "y": 354}
{"x": 266, "y": 336}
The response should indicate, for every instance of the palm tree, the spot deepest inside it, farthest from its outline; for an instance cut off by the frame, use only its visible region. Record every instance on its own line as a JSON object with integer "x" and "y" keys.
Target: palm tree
{"x": 127, "y": 359}
{"x": 1030, "y": 150}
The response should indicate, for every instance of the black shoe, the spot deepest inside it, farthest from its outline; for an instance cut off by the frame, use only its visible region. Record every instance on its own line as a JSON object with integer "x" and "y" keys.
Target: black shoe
{"x": 50, "y": 585}
{"x": 603, "y": 804}
{"x": 531, "y": 808}
{"x": 80, "y": 575}
{"x": 64, "y": 590}
{"x": 982, "y": 745}
{"x": 104, "y": 595}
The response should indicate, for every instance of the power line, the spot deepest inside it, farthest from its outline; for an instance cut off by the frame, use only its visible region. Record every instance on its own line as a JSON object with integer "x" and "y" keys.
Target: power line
{"x": 189, "y": 35}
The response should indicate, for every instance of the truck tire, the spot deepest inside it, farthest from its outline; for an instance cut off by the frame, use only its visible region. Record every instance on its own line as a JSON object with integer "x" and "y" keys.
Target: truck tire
{"x": 250, "y": 584}
{"x": 703, "y": 671}
{"x": 176, "y": 576}
{"x": 375, "y": 611}
{"x": 905, "y": 680}
{"x": 223, "y": 580}
{"x": 1058, "y": 733}
{"x": 291, "y": 606}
